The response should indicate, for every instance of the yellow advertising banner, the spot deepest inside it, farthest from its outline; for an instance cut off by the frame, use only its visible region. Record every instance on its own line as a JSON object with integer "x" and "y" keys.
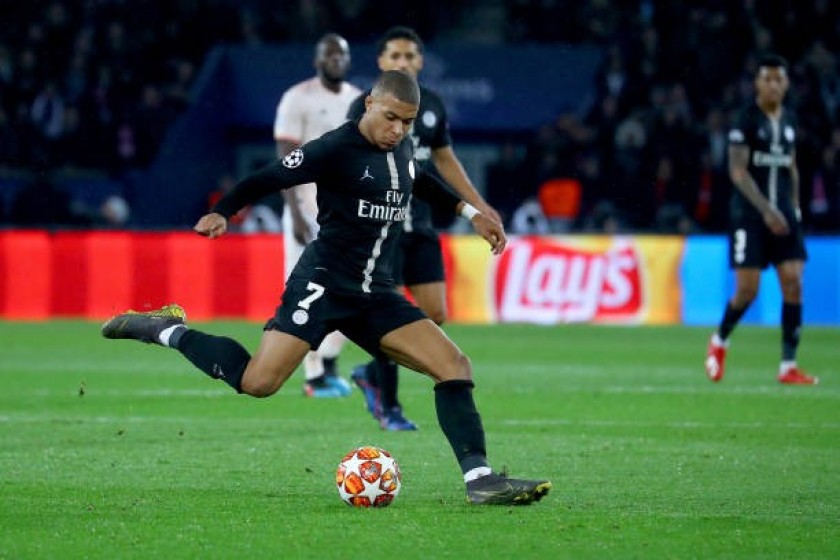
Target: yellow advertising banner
{"x": 562, "y": 279}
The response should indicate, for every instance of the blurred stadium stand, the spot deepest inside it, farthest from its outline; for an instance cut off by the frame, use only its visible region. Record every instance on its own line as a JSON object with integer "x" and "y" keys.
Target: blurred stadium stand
{"x": 151, "y": 101}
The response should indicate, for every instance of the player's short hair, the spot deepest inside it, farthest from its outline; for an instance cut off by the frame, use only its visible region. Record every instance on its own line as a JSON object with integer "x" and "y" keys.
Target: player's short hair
{"x": 399, "y": 32}
{"x": 400, "y": 84}
{"x": 329, "y": 38}
{"x": 772, "y": 61}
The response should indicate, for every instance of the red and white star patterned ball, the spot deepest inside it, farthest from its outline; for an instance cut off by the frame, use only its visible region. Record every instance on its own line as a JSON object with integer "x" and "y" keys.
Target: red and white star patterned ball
{"x": 368, "y": 477}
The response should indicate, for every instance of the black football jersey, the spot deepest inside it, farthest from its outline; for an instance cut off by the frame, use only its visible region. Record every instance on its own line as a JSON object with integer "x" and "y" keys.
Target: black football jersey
{"x": 771, "y": 143}
{"x": 430, "y": 132}
{"x": 363, "y": 198}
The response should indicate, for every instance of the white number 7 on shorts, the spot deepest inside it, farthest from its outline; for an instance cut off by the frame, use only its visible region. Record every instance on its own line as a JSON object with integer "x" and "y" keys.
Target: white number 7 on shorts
{"x": 317, "y": 291}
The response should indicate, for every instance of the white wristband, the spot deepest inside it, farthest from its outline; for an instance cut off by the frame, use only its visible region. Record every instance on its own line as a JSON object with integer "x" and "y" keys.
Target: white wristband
{"x": 469, "y": 211}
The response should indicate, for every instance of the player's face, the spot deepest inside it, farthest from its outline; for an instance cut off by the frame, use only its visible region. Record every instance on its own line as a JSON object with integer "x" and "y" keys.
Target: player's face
{"x": 332, "y": 59}
{"x": 401, "y": 54}
{"x": 387, "y": 120}
{"x": 771, "y": 84}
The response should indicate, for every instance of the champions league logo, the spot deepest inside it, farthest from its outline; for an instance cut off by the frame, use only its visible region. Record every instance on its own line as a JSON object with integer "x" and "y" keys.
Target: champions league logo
{"x": 293, "y": 159}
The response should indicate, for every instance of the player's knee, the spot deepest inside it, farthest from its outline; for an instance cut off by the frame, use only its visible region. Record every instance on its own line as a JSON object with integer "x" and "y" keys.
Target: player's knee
{"x": 745, "y": 295}
{"x": 463, "y": 367}
{"x": 792, "y": 289}
{"x": 438, "y": 315}
{"x": 259, "y": 387}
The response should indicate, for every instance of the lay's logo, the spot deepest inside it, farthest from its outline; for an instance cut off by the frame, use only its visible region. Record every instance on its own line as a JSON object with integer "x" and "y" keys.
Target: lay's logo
{"x": 538, "y": 280}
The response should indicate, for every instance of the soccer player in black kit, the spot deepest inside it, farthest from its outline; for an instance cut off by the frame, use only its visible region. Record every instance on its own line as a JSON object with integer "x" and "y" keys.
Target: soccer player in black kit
{"x": 419, "y": 263}
{"x": 365, "y": 173}
{"x": 765, "y": 223}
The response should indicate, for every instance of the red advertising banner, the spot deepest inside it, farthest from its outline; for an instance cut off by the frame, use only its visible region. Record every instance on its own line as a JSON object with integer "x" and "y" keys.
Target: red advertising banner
{"x": 97, "y": 274}
{"x": 546, "y": 280}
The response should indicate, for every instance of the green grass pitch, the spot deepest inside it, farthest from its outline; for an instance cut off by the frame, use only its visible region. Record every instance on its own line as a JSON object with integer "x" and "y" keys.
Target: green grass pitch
{"x": 113, "y": 449}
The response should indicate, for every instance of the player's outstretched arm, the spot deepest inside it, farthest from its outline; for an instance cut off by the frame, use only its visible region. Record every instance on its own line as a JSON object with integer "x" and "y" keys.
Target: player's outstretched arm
{"x": 450, "y": 168}
{"x": 300, "y": 227}
{"x": 490, "y": 229}
{"x": 211, "y": 225}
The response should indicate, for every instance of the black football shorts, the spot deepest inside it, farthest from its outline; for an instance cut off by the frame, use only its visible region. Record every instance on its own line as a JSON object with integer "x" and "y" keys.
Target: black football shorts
{"x": 419, "y": 259}
{"x": 310, "y": 312}
{"x": 753, "y": 245}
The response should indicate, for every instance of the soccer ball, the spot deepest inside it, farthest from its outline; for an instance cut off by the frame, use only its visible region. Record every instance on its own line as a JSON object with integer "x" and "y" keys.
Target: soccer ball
{"x": 368, "y": 476}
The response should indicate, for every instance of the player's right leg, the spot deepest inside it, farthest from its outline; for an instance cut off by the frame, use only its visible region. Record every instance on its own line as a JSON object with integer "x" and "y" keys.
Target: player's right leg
{"x": 275, "y": 360}
{"x": 217, "y": 356}
{"x": 747, "y": 280}
{"x": 747, "y": 257}
{"x": 144, "y": 326}
{"x": 320, "y": 379}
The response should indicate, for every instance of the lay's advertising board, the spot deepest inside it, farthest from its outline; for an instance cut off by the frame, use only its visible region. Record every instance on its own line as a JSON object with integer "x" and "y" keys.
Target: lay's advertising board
{"x": 559, "y": 279}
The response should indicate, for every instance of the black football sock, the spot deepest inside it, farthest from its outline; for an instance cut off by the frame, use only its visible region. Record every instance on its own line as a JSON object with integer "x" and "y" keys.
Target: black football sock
{"x": 461, "y": 423}
{"x": 330, "y": 366}
{"x": 791, "y": 326}
{"x": 388, "y": 381}
{"x": 730, "y": 320}
{"x": 217, "y": 356}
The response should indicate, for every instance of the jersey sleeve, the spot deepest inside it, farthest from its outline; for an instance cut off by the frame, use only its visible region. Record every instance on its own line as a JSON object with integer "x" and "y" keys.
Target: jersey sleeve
{"x": 357, "y": 108}
{"x": 741, "y": 130}
{"x": 441, "y": 137}
{"x": 432, "y": 190}
{"x": 288, "y": 120}
{"x": 302, "y": 165}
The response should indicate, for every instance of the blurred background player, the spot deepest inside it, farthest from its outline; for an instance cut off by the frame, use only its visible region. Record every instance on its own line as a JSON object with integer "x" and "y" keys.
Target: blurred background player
{"x": 765, "y": 218}
{"x": 420, "y": 263}
{"x": 306, "y": 111}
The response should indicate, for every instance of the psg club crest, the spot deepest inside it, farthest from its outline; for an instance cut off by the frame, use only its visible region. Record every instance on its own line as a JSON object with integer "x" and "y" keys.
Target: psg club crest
{"x": 293, "y": 159}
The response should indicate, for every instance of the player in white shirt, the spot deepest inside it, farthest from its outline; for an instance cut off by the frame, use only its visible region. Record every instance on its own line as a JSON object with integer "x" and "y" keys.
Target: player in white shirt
{"x": 307, "y": 110}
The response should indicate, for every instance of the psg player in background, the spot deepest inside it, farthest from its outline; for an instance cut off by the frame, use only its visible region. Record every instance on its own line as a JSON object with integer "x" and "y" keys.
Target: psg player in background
{"x": 765, "y": 226}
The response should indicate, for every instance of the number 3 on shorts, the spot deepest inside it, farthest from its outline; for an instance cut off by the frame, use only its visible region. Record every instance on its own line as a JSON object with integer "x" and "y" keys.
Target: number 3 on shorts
{"x": 317, "y": 291}
{"x": 740, "y": 245}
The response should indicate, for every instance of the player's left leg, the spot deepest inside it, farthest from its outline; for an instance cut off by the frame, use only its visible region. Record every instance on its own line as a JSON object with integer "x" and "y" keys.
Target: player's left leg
{"x": 790, "y": 280}
{"x": 317, "y": 382}
{"x": 430, "y": 297}
{"x": 423, "y": 346}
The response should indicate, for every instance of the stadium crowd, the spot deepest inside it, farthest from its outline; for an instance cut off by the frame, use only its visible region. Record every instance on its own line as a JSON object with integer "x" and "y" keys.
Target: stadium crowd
{"x": 90, "y": 87}
{"x": 650, "y": 151}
